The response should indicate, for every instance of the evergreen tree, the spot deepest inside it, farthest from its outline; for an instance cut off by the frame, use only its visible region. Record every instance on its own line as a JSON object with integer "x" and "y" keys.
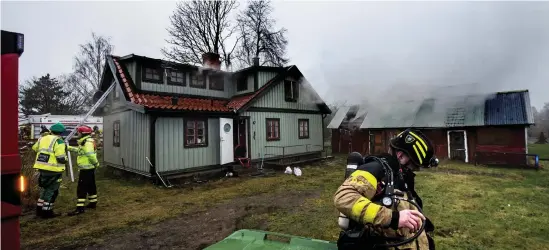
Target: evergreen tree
{"x": 48, "y": 95}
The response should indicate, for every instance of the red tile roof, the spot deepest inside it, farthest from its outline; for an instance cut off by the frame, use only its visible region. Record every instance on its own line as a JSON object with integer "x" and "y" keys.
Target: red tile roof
{"x": 165, "y": 102}
{"x": 239, "y": 101}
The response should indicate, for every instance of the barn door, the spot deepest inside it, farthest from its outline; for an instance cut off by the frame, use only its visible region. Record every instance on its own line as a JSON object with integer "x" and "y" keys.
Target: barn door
{"x": 226, "y": 140}
{"x": 458, "y": 146}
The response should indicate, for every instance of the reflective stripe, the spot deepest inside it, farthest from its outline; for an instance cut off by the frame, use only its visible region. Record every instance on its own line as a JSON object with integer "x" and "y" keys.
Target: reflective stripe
{"x": 92, "y": 196}
{"x": 420, "y": 140}
{"x": 79, "y": 204}
{"x": 367, "y": 175}
{"x": 81, "y": 200}
{"x": 93, "y": 200}
{"x": 418, "y": 156}
{"x": 51, "y": 164}
{"x": 370, "y": 213}
{"x": 351, "y": 166}
{"x": 87, "y": 166}
{"x": 50, "y": 147}
{"x": 421, "y": 149}
{"x": 49, "y": 167}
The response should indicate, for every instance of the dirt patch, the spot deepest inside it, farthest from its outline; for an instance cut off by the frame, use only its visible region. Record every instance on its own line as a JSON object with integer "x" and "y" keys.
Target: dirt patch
{"x": 198, "y": 230}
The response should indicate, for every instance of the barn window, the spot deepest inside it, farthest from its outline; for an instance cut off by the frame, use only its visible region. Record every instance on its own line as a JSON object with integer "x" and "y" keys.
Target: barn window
{"x": 151, "y": 74}
{"x": 273, "y": 129}
{"x": 116, "y": 134}
{"x": 196, "y": 134}
{"x": 303, "y": 128}
{"x": 217, "y": 82}
{"x": 291, "y": 91}
{"x": 176, "y": 78}
{"x": 198, "y": 81}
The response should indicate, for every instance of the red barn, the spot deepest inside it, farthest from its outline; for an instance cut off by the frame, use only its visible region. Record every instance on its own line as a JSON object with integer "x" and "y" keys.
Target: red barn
{"x": 485, "y": 129}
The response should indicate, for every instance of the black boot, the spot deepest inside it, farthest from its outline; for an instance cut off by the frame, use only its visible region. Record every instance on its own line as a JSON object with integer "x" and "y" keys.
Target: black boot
{"x": 48, "y": 214}
{"x": 77, "y": 211}
{"x": 38, "y": 211}
{"x": 92, "y": 205}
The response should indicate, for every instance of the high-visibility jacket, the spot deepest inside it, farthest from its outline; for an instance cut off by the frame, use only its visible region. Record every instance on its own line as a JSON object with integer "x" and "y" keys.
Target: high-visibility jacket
{"x": 87, "y": 155}
{"x": 51, "y": 153}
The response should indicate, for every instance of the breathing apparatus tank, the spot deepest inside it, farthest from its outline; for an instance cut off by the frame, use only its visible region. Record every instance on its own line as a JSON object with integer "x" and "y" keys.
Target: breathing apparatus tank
{"x": 354, "y": 160}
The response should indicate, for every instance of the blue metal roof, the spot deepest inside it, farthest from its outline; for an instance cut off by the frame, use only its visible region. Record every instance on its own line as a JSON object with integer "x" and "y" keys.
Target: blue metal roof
{"x": 508, "y": 108}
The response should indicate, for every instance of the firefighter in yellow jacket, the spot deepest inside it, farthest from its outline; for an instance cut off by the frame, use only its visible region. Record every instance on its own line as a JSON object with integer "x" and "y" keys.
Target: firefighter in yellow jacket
{"x": 87, "y": 163}
{"x": 50, "y": 162}
{"x": 367, "y": 221}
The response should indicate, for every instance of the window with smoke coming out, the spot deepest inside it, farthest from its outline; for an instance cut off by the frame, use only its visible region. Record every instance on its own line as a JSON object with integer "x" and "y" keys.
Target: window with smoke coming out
{"x": 291, "y": 90}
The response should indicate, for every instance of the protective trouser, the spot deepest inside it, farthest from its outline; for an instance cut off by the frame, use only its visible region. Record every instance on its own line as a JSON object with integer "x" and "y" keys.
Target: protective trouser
{"x": 86, "y": 187}
{"x": 49, "y": 183}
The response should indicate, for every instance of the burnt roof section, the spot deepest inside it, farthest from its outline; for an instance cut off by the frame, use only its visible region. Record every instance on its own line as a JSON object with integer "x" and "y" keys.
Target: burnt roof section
{"x": 496, "y": 109}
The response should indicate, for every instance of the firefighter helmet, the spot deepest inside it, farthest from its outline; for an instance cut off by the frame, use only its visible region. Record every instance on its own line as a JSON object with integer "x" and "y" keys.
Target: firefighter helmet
{"x": 84, "y": 130}
{"x": 57, "y": 128}
{"x": 416, "y": 145}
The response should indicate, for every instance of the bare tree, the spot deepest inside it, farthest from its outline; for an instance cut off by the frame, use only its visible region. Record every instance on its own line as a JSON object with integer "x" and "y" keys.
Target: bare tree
{"x": 89, "y": 65}
{"x": 259, "y": 36}
{"x": 199, "y": 27}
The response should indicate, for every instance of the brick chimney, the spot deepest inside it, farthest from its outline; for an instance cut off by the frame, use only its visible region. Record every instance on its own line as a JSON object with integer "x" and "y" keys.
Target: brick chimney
{"x": 211, "y": 60}
{"x": 256, "y": 61}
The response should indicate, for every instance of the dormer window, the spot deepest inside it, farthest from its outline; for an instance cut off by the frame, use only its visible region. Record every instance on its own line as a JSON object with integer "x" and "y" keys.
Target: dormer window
{"x": 152, "y": 75}
{"x": 217, "y": 82}
{"x": 197, "y": 80}
{"x": 291, "y": 90}
{"x": 242, "y": 83}
{"x": 176, "y": 78}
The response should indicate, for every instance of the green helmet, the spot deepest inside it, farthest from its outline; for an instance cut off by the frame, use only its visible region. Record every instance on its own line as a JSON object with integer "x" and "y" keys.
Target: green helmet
{"x": 57, "y": 128}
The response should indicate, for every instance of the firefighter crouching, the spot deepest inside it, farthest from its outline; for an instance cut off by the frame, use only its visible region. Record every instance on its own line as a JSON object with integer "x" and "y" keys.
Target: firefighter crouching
{"x": 50, "y": 162}
{"x": 366, "y": 223}
{"x": 87, "y": 163}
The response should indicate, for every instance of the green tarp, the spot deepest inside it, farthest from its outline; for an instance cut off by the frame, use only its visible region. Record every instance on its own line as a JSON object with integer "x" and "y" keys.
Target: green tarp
{"x": 259, "y": 240}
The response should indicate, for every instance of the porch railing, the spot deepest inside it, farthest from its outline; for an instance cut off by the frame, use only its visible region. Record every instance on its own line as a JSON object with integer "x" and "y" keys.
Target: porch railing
{"x": 284, "y": 151}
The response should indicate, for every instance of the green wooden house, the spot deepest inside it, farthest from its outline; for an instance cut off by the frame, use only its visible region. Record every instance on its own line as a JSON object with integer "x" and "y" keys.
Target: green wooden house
{"x": 188, "y": 118}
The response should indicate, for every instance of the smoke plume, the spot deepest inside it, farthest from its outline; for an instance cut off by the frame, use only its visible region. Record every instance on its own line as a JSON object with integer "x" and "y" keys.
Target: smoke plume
{"x": 443, "y": 50}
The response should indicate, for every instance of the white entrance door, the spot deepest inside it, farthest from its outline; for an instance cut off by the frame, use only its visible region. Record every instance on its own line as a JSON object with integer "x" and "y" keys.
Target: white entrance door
{"x": 226, "y": 142}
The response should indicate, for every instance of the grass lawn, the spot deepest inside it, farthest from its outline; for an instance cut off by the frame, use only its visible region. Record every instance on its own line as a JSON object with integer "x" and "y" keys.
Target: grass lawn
{"x": 471, "y": 207}
{"x": 540, "y": 149}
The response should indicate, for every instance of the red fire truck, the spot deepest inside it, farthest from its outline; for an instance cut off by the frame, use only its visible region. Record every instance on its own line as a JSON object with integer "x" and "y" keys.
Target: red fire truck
{"x": 13, "y": 183}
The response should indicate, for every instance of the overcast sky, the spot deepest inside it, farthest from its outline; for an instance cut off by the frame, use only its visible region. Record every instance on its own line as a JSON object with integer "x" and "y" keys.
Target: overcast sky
{"x": 347, "y": 50}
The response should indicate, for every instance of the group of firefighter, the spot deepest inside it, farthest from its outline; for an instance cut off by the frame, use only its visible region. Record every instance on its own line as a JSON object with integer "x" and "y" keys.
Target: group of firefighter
{"x": 50, "y": 162}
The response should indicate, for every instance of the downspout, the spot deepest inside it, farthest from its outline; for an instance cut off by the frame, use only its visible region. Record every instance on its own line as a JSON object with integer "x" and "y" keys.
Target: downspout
{"x": 152, "y": 147}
